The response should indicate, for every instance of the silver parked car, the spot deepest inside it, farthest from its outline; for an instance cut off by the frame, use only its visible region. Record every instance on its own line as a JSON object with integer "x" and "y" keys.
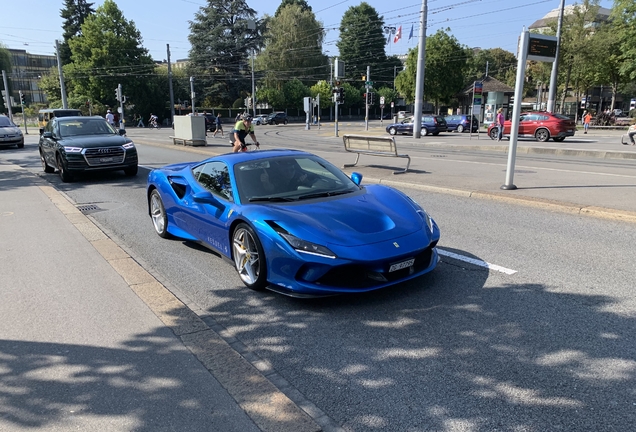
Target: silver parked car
{"x": 10, "y": 133}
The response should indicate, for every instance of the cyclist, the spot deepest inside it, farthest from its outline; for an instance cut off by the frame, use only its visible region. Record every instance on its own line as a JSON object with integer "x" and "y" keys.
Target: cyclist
{"x": 152, "y": 121}
{"x": 242, "y": 128}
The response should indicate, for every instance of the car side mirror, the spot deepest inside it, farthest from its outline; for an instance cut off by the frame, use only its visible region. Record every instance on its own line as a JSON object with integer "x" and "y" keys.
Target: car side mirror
{"x": 356, "y": 177}
{"x": 41, "y": 131}
{"x": 122, "y": 132}
{"x": 47, "y": 134}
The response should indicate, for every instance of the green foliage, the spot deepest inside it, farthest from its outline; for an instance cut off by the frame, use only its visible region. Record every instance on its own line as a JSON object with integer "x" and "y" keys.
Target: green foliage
{"x": 294, "y": 92}
{"x": 353, "y": 96}
{"x": 501, "y": 65}
{"x": 5, "y": 65}
{"x": 389, "y": 94}
{"x": 74, "y": 14}
{"x": 361, "y": 44}
{"x": 301, "y": 3}
{"x": 293, "y": 48}
{"x": 624, "y": 21}
{"x": 271, "y": 95}
{"x": 222, "y": 45}
{"x": 323, "y": 89}
{"x": 444, "y": 70}
{"x": 110, "y": 53}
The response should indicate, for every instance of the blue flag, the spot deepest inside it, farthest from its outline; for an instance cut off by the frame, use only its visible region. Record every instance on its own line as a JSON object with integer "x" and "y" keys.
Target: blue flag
{"x": 411, "y": 34}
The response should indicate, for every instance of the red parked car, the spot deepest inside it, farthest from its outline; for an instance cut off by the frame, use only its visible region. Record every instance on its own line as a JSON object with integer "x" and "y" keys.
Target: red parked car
{"x": 540, "y": 125}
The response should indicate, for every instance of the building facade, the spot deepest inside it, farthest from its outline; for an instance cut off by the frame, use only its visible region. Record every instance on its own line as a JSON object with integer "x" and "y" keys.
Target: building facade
{"x": 26, "y": 71}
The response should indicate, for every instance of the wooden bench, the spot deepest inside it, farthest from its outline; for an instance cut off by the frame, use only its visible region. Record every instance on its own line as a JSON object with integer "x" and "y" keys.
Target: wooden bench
{"x": 374, "y": 146}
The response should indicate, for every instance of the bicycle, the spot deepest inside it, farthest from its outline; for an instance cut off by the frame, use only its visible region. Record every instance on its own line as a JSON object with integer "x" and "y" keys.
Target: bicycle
{"x": 153, "y": 125}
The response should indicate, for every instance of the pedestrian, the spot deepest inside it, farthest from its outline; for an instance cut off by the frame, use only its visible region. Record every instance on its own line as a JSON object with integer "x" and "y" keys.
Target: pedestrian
{"x": 219, "y": 126}
{"x": 500, "y": 124}
{"x": 631, "y": 132}
{"x": 586, "y": 121}
{"x": 141, "y": 121}
{"x": 110, "y": 118}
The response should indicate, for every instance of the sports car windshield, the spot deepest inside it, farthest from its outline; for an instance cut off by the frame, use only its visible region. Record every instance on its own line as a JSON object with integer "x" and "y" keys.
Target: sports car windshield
{"x": 285, "y": 179}
{"x": 88, "y": 126}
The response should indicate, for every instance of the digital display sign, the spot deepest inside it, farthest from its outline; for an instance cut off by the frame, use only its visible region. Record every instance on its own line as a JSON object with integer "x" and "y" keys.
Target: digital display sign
{"x": 541, "y": 48}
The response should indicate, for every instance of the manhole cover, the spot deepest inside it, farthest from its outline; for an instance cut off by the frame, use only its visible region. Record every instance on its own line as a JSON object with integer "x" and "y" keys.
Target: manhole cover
{"x": 88, "y": 208}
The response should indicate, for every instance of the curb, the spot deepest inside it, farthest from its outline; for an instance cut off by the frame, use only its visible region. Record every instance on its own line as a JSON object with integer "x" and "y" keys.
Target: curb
{"x": 546, "y": 204}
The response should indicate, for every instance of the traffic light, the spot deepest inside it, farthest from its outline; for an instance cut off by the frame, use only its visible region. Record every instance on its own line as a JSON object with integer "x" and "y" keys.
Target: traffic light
{"x": 22, "y": 98}
{"x": 117, "y": 94}
{"x": 371, "y": 98}
{"x": 341, "y": 92}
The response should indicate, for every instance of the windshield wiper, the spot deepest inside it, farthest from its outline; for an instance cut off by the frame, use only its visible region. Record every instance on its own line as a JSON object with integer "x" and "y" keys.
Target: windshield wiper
{"x": 271, "y": 199}
{"x": 323, "y": 194}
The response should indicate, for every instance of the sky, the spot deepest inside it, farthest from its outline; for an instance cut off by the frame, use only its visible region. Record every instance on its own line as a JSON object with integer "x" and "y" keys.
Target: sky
{"x": 34, "y": 25}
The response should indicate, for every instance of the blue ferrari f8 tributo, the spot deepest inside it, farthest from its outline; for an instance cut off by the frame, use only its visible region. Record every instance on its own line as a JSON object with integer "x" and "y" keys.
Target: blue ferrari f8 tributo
{"x": 293, "y": 223}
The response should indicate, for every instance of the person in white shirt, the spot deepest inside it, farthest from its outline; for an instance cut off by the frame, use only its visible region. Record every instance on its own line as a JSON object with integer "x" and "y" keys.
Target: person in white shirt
{"x": 110, "y": 118}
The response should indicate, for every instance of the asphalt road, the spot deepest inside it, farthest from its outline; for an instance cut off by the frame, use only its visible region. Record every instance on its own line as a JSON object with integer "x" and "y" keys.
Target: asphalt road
{"x": 548, "y": 347}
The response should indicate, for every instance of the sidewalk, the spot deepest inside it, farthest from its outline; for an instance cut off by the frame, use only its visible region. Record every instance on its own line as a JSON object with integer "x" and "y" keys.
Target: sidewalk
{"x": 573, "y": 185}
{"x": 90, "y": 341}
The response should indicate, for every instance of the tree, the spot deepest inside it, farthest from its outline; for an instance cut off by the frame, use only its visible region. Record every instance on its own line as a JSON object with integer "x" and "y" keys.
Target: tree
{"x": 444, "y": 70}
{"x": 499, "y": 63}
{"x": 294, "y": 92}
{"x": 74, "y": 14}
{"x": 624, "y": 20}
{"x": 222, "y": 43}
{"x": 302, "y": 3}
{"x": 293, "y": 48}
{"x": 110, "y": 53}
{"x": 361, "y": 44}
{"x": 323, "y": 89}
{"x": 5, "y": 65}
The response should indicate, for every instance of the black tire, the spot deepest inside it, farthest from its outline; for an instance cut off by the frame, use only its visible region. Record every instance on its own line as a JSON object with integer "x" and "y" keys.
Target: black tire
{"x": 21, "y": 144}
{"x": 249, "y": 258}
{"x": 494, "y": 132}
{"x": 558, "y": 139}
{"x": 542, "y": 135}
{"x": 47, "y": 169}
{"x": 460, "y": 128}
{"x": 131, "y": 171}
{"x": 158, "y": 214}
{"x": 63, "y": 171}
{"x": 285, "y": 122}
{"x": 392, "y": 131}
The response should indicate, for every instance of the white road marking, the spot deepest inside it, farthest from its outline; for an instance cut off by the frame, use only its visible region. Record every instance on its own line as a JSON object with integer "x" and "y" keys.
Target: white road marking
{"x": 477, "y": 262}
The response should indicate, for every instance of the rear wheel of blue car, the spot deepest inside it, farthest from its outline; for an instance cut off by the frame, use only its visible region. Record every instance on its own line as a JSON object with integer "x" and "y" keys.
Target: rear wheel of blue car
{"x": 249, "y": 258}
{"x": 158, "y": 214}
{"x": 460, "y": 128}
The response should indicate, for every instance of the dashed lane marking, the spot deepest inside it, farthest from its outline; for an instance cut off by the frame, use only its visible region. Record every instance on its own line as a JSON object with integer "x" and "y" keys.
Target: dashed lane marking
{"x": 477, "y": 262}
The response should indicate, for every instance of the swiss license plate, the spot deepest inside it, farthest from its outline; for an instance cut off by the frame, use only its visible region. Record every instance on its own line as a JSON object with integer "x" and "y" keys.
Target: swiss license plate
{"x": 569, "y": 130}
{"x": 106, "y": 159}
{"x": 401, "y": 265}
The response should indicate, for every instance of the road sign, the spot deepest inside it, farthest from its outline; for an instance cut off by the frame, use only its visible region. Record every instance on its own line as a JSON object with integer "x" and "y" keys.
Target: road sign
{"x": 381, "y": 100}
{"x": 369, "y": 83}
{"x": 381, "y": 106}
{"x": 392, "y": 104}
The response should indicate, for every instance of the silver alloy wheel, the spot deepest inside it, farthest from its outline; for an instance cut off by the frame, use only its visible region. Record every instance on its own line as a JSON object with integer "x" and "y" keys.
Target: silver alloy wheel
{"x": 392, "y": 131}
{"x": 158, "y": 213}
{"x": 460, "y": 128}
{"x": 246, "y": 257}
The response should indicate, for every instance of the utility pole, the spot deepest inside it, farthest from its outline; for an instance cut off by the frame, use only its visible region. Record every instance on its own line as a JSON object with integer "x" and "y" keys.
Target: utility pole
{"x": 7, "y": 97}
{"x": 59, "y": 70}
{"x": 419, "y": 80}
{"x": 122, "y": 98}
{"x": 192, "y": 94}
{"x": 555, "y": 64}
{"x": 330, "y": 83}
{"x": 253, "y": 88}
{"x": 170, "y": 86}
{"x": 366, "y": 102}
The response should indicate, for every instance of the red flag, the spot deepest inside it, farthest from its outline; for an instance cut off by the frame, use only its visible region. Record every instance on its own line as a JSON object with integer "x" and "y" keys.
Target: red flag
{"x": 398, "y": 35}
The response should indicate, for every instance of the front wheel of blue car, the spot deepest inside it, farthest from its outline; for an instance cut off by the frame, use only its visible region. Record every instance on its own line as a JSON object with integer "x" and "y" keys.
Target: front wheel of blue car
{"x": 249, "y": 258}
{"x": 158, "y": 214}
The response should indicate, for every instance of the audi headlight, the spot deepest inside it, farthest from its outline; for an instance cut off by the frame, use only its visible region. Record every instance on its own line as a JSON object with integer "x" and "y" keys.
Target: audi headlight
{"x": 307, "y": 247}
{"x": 129, "y": 145}
{"x": 69, "y": 149}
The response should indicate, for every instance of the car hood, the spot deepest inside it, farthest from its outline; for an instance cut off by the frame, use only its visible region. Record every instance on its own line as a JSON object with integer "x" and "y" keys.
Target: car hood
{"x": 10, "y": 130}
{"x": 88, "y": 141}
{"x": 372, "y": 216}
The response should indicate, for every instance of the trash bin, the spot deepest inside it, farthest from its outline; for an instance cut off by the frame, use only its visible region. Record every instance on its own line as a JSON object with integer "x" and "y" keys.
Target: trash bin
{"x": 395, "y": 118}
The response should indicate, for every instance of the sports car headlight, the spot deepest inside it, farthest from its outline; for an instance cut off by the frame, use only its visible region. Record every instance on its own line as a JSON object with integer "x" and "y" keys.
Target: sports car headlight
{"x": 427, "y": 219}
{"x": 129, "y": 145}
{"x": 68, "y": 149}
{"x": 307, "y": 247}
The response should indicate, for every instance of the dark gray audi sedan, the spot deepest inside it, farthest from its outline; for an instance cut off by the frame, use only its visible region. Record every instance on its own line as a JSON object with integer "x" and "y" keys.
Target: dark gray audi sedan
{"x": 82, "y": 144}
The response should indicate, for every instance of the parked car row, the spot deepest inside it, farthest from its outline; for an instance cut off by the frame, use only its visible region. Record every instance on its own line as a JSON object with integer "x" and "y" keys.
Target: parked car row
{"x": 537, "y": 124}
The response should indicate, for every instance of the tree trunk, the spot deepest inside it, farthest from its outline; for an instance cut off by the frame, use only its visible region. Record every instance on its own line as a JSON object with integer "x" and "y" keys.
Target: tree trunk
{"x": 565, "y": 89}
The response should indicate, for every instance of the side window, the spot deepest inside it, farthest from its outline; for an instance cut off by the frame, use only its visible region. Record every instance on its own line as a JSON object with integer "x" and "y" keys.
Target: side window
{"x": 51, "y": 126}
{"x": 215, "y": 177}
